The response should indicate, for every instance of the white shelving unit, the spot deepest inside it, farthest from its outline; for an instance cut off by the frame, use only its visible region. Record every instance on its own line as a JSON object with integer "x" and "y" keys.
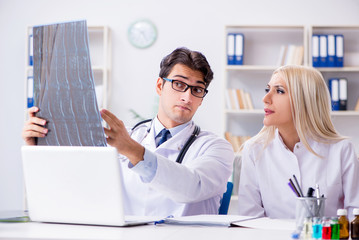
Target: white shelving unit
{"x": 261, "y": 51}
{"x": 351, "y": 60}
{"x": 346, "y": 122}
{"x": 260, "y": 57}
{"x": 100, "y": 53}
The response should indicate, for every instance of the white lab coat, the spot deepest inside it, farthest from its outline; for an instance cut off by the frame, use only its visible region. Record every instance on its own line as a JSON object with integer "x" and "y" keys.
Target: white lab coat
{"x": 193, "y": 187}
{"x": 264, "y": 178}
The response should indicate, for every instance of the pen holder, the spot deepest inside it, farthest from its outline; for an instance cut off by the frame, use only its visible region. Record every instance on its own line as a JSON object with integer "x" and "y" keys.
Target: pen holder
{"x": 308, "y": 207}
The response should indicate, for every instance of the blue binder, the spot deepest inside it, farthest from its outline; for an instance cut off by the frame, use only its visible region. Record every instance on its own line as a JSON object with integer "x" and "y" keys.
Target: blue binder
{"x": 230, "y": 48}
{"x": 315, "y": 50}
{"x": 238, "y": 46}
{"x": 334, "y": 93}
{"x": 331, "y": 54}
{"x": 343, "y": 94}
{"x": 323, "y": 50}
{"x": 339, "y": 42}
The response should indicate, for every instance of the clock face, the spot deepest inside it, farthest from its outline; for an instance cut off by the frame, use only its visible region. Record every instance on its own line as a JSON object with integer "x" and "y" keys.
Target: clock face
{"x": 142, "y": 34}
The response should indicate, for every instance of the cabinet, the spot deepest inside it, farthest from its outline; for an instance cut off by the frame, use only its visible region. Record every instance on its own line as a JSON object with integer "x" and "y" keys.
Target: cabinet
{"x": 100, "y": 54}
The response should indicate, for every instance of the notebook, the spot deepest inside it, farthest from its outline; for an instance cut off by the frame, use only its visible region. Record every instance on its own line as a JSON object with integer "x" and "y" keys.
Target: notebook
{"x": 78, "y": 185}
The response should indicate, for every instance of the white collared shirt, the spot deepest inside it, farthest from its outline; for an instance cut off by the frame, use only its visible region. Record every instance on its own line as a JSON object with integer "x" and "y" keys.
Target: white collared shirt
{"x": 158, "y": 127}
{"x": 265, "y": 174}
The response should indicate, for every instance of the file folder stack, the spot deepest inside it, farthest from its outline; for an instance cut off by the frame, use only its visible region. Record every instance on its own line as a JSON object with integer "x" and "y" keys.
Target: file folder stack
{"x": 328, "y": 50}
{"x": 235, "y": 43}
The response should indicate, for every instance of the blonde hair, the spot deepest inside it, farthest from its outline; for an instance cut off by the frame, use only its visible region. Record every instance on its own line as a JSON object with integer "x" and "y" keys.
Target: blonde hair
{"x": 310, "y": 105}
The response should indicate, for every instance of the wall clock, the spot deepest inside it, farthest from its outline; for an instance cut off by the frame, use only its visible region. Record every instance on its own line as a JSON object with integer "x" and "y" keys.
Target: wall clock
{"x": 142, "y": 33}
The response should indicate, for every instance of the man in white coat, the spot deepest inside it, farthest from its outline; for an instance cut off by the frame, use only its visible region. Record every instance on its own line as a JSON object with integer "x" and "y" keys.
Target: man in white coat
{"x": 157, "y": 181}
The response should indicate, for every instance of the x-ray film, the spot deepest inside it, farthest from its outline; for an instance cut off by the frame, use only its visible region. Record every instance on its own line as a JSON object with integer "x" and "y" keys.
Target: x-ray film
{"x": 64, "y": 88}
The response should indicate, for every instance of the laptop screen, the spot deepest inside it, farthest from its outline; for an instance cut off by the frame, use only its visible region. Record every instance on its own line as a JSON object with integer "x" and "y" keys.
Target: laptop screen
{"x": 73, "y": 184}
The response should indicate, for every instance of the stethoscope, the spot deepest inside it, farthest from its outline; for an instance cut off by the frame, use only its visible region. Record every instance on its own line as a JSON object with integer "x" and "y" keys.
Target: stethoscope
{"x": 185, "y": 148}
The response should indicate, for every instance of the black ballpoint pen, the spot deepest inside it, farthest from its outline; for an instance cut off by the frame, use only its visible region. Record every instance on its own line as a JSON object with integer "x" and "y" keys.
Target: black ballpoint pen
{"x": 298, "y": 186}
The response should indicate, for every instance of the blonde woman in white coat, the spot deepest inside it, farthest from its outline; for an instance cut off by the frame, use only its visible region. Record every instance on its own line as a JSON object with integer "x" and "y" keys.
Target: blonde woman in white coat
{"x": 298, "y": 138}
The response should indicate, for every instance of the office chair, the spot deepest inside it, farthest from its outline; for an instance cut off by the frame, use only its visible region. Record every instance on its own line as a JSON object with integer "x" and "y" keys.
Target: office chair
{"x": 223, "y": 208}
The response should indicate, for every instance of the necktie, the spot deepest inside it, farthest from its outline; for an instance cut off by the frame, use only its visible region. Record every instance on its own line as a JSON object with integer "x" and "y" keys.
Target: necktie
{"x": 165, "y": 133}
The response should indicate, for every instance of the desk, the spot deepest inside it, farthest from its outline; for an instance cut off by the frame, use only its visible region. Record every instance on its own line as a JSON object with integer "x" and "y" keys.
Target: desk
{"x": 33, "y": 230}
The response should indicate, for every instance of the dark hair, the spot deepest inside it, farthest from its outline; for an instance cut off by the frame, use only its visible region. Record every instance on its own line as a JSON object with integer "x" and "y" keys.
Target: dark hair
{"x": 192, "y": 59}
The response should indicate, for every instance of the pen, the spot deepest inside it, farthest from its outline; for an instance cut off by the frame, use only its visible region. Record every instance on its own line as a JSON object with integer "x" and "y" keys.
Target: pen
{"x": 159, "y": 222}
{"x": 298, "y": 186}
{"x": 310, "y": 192}
{"x": 317, "y": 192}
{"x": 162, "y": 220}
{"x": 291, "y": 185}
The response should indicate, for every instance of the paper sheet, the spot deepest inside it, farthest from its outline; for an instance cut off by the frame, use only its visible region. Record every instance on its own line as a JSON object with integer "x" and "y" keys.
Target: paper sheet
{"x": 207, "y": 220}
{"x": 267, "y": 223}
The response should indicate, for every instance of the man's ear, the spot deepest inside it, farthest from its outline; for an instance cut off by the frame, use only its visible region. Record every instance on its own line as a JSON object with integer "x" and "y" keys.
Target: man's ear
{"x": 159, "y": 85}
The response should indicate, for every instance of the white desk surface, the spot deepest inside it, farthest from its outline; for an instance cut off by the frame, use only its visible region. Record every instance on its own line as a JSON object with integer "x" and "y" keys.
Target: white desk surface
{"x": 33, "y": 230}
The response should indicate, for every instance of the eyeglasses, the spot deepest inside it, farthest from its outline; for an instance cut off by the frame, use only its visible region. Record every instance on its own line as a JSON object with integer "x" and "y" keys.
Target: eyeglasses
{"x": 182, "y": 87}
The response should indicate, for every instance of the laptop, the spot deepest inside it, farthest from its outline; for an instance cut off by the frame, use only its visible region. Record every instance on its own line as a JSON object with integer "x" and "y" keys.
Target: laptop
{"x": 77, "y": 185}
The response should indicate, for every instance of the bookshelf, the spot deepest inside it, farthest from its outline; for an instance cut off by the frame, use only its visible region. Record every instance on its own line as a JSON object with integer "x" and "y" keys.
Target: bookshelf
{"x": 262, "y": 50}
{"x": 261, "y": 54}
{"x": 262, "y": 47}
{"x": 345, "y": 121}
{"x": 100, "y": 53}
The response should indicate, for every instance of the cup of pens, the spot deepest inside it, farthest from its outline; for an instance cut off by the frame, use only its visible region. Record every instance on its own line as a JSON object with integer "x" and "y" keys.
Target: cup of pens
{"x": 308, "y": 208}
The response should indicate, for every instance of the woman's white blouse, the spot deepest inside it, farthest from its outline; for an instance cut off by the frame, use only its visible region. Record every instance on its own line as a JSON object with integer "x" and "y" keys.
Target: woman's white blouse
{"x": 265, "y": 173}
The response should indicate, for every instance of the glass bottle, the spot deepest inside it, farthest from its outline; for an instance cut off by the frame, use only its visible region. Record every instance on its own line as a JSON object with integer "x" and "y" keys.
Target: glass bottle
{"x": 307, "y": 228}
{"x": 343, "y": 223}
{"x": 317, "y": 228}
{"x": 355, "y": 224}
{"x": 335, "y": 228}
{"x": 326, "y": 228}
